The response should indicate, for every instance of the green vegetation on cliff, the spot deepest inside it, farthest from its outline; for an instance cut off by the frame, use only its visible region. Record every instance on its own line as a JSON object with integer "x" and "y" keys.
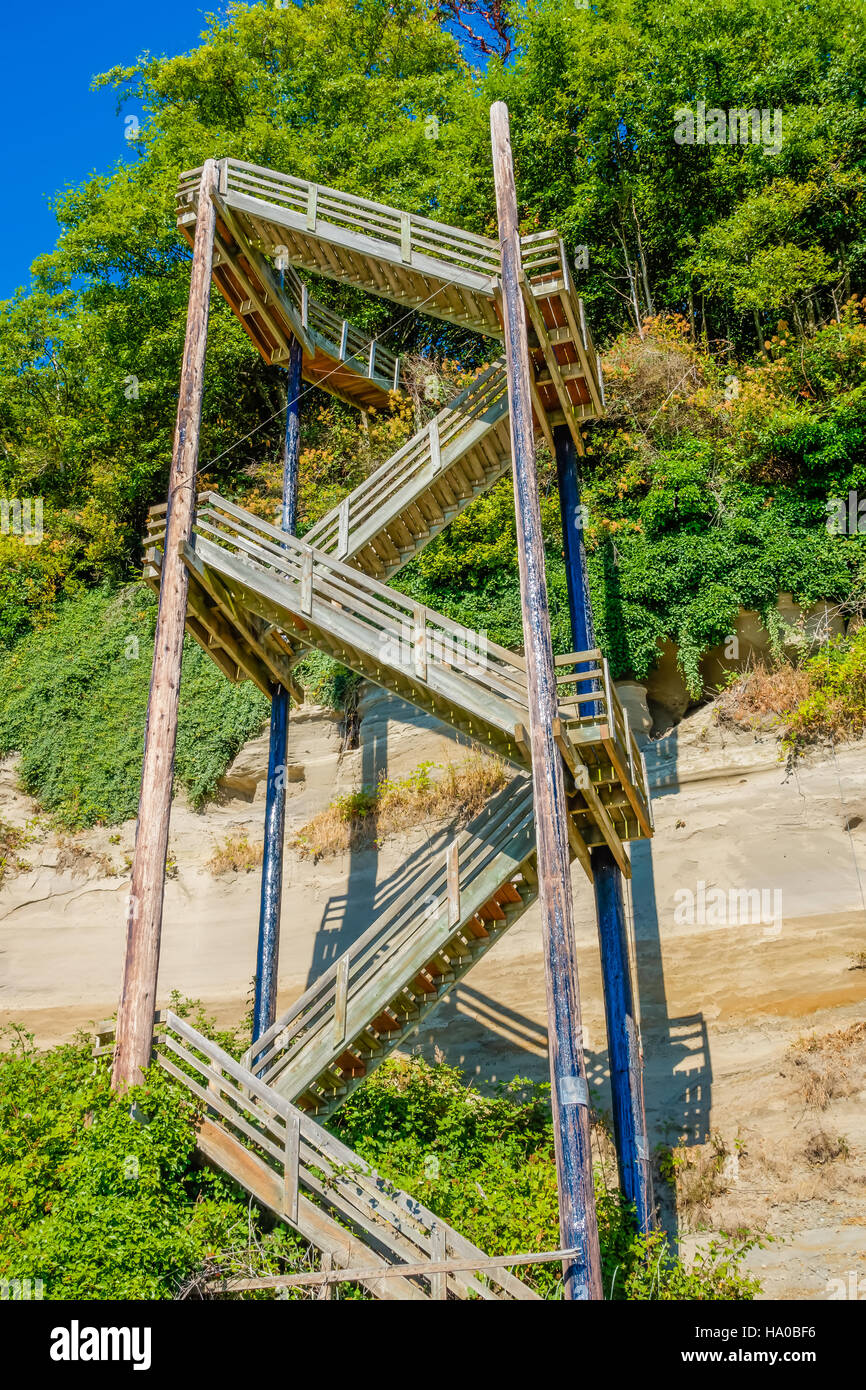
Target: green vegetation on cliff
{"x": 99, "y": 1202}
{"x": 721, "y": 278}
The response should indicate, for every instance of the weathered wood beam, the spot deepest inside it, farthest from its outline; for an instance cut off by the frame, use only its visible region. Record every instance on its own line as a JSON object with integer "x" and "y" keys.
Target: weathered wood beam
{"x": 147, "y": 886}
{"x": 569, "y": 1088}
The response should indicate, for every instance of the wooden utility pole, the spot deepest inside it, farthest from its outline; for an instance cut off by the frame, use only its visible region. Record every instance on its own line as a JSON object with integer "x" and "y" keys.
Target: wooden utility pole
{"x": 144, "y": 921}
{"x": 569, "y": 1089}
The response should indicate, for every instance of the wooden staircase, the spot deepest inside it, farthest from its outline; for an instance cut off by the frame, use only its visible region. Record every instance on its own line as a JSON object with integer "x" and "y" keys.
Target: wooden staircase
{"x": 455, "y": 906}
{"x": 309, "y": 1179}
{"x": 421, "y": 488}
{"x": 414, "y": 261}
{"x": 259, "y": 599}
{"x": 241, "y": 565}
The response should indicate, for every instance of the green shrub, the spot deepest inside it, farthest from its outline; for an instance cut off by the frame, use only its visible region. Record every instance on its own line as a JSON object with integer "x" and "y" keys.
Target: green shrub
{"x": 102, "y": 1198}
{"x": 486, "y": 1165}
{"x": 73, "y": 700}
{"x": 96, "y": 1203}
{"x": 835, "y": 706}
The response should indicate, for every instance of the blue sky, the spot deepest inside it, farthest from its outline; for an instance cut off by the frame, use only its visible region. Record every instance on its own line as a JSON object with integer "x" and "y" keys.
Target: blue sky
{"x": 58, "y": 131}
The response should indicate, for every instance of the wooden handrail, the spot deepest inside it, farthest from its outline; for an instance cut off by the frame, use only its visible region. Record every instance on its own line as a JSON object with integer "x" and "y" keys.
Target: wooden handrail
{"x": 407, "y": 926}
{"x": 381, "y": 489}
{"x": 317, "y": 1163}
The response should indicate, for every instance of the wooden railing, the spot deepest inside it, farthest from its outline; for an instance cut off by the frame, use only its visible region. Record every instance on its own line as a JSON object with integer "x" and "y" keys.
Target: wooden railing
{"x": 340, "y": 338}
{"x": 317, "y": 207}
{"x": 314, "y": 1172}
{"x": 483, "y": 677}
{"x": 381, "y": 496}
{"x": 587, "y": 699}
{"x": 542, "y": 258}
{"x": 437, "y": 900}
{"x": 475, "y": 674}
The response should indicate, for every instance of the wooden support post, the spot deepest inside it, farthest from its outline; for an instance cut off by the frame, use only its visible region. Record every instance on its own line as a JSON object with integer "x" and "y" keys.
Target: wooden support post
{"x": 291, "y": 1167}
{"x": 341, "y": 1000}
{"x": 144, "y": 922}
{"x": 623, "y": 1044}
{"x": 452, "y": 877}
{"x": 326, "y": 1290}
{"x": 569, "y": 1089}
{"x": 268, "y": 949}
{"x": 438, "y": 1254}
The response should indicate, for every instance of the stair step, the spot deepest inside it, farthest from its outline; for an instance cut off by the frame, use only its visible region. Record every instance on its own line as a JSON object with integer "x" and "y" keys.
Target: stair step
{"x": 385, "y": 1023}
{"x": 371, "y": 1041}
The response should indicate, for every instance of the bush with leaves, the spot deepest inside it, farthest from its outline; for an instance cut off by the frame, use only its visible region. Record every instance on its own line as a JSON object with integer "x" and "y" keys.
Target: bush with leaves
{"x": 73, "y": 700}
{"x": 486, "y": 1165}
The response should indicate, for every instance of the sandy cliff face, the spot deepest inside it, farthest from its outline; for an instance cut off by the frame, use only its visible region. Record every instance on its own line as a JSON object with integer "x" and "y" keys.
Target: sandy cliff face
{"x": 748, "y": 914}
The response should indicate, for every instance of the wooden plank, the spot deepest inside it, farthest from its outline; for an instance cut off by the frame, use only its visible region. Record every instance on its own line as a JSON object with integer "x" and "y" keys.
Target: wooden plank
{"x": 307, "y": 581}
{"x": 438, "y": 1255}
{"x": 343, "y": 542}
{"x": 291, "y": 1167}
{"x": 426, "y": 1267}
{"x": 452, "y": 862}
{"x": 419, "y": 640}
{"x": 577, "y": 335}
{"x": 316, "y": 1225}
{"x": 552, "y": 363}
{"x": 326, "y": 1290}
{"x": 606, "y": 826}
{"x": 276, "y": 662}
{"x": 435, "y": 451}
{"x": 214, "y": 625}
{"x": 341, "y": 999}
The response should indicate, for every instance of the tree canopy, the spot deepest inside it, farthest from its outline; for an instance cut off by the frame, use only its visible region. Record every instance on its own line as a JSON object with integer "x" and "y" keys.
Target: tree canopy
{"x": 726, "y": 240}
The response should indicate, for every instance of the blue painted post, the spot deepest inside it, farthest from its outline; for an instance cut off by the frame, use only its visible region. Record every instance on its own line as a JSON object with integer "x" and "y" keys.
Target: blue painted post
{"x": 623, "y": 1039}
{"x": 267, "y": 957}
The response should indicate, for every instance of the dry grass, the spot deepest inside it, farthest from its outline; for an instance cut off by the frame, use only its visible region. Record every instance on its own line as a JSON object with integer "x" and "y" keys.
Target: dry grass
{"x": 697, "y": 1175}
{"x": 656, "y": 383}
{"x": 235, "y": 855}
{"x": 368, "y": 816}
{"x": 829, "y": 1065}
{"x": 12, "y": 839}
{"x": 825, "y": 1148}
{"x": 762, "y": 697}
